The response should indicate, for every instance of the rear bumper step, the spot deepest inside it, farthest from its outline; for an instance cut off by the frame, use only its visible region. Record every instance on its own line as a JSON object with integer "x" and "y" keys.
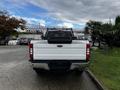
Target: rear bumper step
{"x": 59, "y": 64}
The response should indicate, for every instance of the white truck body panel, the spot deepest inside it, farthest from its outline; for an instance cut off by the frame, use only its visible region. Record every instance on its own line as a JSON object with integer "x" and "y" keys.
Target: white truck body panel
{"x": 74, "y": 51}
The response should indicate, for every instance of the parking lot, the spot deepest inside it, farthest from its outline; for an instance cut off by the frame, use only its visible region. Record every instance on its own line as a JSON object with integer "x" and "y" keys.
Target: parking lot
{"x": 16, "y": 74}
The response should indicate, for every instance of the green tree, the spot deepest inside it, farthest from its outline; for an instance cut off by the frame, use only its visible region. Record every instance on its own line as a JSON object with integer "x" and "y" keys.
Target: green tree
{"x": 95, "y": 27}
{"x": 86, "y": 30}
{"x": 107, "y": 33}
{"x": 8, "y": 24}
{"x": 117, "y": 31}
{"x": 117, "y": 20}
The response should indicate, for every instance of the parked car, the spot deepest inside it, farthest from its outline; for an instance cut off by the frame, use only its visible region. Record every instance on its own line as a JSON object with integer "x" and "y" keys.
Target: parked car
{"x": 13, "y": 42}
{"x": 59, "y": 51}
{"x": 24, "y": 41}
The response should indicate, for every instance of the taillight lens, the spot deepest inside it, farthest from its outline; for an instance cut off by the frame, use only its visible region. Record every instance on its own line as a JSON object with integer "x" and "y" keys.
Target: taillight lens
{"x": 88, "y": 52}
{"x": 31, "y": 51}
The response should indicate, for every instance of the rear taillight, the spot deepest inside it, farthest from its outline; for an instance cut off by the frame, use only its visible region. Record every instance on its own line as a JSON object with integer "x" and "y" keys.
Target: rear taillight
{"x": 88, "y": 52}
{"x": 31, "y": 51}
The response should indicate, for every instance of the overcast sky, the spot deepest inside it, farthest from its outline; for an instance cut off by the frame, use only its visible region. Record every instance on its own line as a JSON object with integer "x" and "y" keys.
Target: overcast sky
{"x": 71, "y": 13}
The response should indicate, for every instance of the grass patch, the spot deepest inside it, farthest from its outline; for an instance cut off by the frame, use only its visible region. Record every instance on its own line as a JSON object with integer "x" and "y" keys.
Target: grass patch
{"x": 105, "y": 64}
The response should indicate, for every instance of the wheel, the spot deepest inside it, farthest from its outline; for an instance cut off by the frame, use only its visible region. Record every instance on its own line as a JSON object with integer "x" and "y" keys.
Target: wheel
{"x": 79, "y": 72}
{"x": 39, "y": 71}
{"x": 36, "y": 70}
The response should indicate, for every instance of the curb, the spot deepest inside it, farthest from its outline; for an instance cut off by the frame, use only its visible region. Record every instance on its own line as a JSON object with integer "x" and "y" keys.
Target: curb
{"x": 95, "y": 80}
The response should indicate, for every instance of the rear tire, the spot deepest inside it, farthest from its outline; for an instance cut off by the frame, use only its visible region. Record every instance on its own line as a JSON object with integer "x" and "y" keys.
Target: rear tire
{"x": 79, "y": 72}
{"x": 39, "y": 71}
{"x": 36, "y": 70}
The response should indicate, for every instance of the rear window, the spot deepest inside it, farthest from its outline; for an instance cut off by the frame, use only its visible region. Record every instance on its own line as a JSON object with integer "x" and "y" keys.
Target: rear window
{"x": 59, "y": 34}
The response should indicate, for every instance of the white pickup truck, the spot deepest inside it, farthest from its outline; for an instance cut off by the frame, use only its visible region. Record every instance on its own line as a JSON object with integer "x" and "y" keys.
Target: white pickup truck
{"x": 59, "y": 50}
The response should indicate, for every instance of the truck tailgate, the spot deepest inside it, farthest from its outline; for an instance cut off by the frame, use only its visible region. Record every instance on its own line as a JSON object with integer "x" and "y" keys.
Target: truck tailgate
{"x": 45, "y": 51}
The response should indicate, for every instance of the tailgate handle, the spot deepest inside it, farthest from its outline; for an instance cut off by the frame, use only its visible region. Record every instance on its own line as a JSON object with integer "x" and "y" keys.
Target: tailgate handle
{"x": 60, "y": 46}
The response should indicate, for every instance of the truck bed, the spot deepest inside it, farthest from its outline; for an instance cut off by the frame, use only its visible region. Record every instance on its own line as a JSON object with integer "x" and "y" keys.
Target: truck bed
{"x": 74, "y": 51}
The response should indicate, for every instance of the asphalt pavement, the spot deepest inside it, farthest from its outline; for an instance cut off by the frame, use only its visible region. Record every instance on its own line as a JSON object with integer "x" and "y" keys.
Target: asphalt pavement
{"x": 16, "y": 73}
